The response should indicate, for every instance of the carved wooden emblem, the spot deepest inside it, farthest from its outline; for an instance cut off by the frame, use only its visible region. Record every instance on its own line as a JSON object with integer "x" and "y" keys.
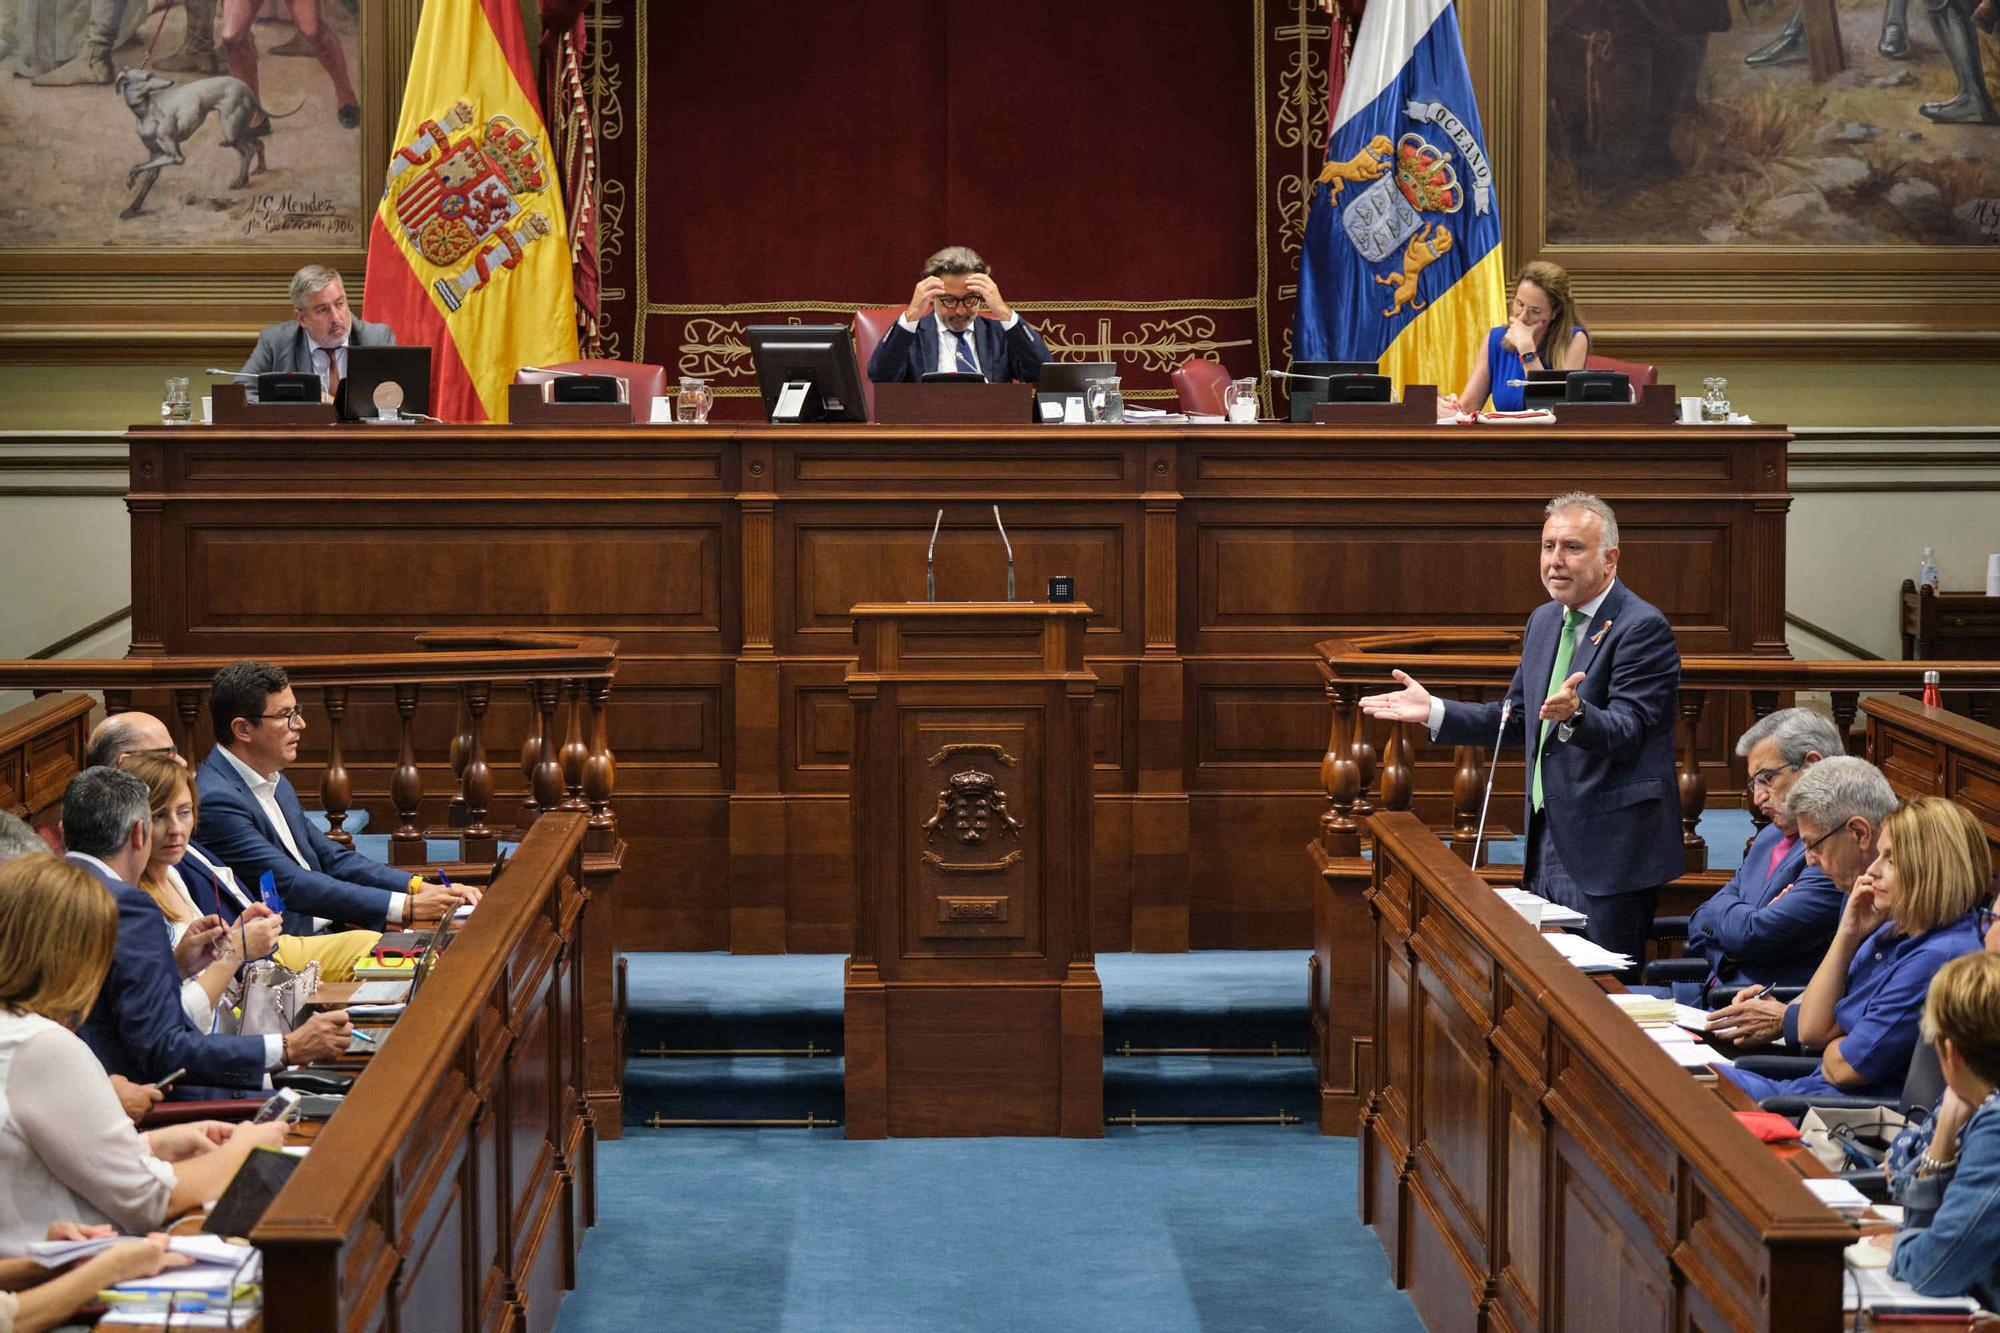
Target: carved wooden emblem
{"x": 970, "y": 810}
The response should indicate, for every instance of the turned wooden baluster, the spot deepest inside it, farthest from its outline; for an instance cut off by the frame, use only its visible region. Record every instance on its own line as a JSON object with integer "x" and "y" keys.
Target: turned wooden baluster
{"x": 1468, "y": 793}
{"x": 1364, "y": 764}
{"x": 546, "y": 781}
{"x": 477, "y": 839}
{"x": 531, "y": 756}
{"x": 461, "y": 754}
{"x": 115, "y": 701}
{"x": 1396, "y": 778}
{"x": 600, "y": 771}
{"x": 1340, "y": 777}
{"x": 1694, "y": 787}
{"x": 406, "y": 787}
{"x": 575, "y": 754}
{"x": 335, "y": 791}
{"x": 1846, "y": 703}
{"x": 187, "y": 705}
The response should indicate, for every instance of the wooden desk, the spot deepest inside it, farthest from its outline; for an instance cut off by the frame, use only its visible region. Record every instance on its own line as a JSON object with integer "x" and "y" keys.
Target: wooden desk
{"x": 453, "y": 1188}
{"x": 1530, "y": 1159}
{"x": 1934, "y": 752}
{"x": 725, "y": 559}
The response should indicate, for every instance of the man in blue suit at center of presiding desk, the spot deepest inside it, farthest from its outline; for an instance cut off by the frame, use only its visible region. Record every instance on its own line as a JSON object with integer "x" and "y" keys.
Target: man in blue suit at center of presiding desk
{"x": 942, "y": 330}
{"x": 252, "y": 819}
{"x": 1593, "y": 701}
{"x": 1772, "y": 921}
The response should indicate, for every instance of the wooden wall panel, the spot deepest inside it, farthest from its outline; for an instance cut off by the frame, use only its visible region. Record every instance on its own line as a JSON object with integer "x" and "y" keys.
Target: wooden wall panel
{"x": 725, "y": 558}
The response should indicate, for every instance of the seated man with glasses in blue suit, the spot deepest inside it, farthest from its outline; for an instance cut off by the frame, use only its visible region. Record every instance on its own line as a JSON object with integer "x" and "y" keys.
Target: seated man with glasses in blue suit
{"x": 942, "y": 331}
{"x": 1772, "y": 921}
{"x": 251, "y": 818}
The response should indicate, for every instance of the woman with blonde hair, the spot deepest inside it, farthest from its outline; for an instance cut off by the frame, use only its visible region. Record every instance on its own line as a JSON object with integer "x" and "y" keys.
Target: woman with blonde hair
{"x": 1543, "y": 332}
{"x": 1946, "y": 1173}
{"x": 188, "y": 884}
{"x": 1917, "y": 907}
{"x": 67, "y": 1149}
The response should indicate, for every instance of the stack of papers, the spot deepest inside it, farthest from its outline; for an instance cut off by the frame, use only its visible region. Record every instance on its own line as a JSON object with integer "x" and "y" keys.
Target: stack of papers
{"x": 1645, "y": 1010}
{"x": 1839, "y": 1195}
{"x": 1876, "y": 1287}
{"x": 1551, "y": 914}
{"x": 220, "y": 1289}
{"x": 1586, "y": 956}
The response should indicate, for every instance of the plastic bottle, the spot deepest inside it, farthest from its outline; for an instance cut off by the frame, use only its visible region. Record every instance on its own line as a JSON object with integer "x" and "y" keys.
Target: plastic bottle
{"x": 1927, "y": 572}
{"x": 1931, "y": 699}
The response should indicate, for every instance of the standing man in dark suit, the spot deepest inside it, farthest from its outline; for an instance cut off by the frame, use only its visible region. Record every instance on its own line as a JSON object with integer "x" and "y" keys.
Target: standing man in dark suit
{"x": 942, "y": 330}
{"x": 251, "y": 818}
{"x": 1597, "y": 690}
{"x": 315, "y": 340}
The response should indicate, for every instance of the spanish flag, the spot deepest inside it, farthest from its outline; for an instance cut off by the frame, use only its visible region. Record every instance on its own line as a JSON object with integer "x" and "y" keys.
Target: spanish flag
{"x": 1402, "y": 262}
{"x": 469, "y": 250}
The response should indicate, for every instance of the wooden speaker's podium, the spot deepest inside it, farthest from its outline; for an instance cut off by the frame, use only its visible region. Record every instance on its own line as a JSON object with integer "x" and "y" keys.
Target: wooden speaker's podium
{"x": 972, "y": 1001}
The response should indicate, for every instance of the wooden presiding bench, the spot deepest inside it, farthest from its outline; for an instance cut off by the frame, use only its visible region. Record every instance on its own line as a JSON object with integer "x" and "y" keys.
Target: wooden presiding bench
{"x": 453, "y": 1188}
{"x": 1531, "y": 1159}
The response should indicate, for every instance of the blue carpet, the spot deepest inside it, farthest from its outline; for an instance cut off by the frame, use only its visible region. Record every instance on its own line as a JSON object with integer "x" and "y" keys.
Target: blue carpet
{"x": 1727, "y": 833}
{"x": 1165, "y": 1230}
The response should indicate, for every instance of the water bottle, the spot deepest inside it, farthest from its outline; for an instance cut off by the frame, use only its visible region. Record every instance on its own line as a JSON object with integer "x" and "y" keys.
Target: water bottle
{"x": 1927, "y": 572}
{"x": 1931, "y": 699}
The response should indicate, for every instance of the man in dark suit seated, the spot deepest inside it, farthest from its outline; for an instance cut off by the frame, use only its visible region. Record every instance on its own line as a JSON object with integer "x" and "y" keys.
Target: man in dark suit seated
{"x": 1593, "y": 701}
{"x": 137, "y": 1028}
{"x": 315, "y": 340}
{"x": 1838, "y": 806}
{"x": 1770, "y": 924}
{"x": 942, "y": 330}
{"x": 251, "y": 818}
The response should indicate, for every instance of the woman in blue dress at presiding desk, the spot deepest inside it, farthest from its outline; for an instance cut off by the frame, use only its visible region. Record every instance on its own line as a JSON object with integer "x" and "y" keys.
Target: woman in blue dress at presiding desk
{"x": 1542, "y": 332}
{"x": 1918, "y": 906}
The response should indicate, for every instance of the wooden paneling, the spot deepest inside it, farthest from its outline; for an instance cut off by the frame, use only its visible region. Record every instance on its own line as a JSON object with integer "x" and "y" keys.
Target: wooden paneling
{"x": 42, "y": 745}
{"x": 1532, "y": 1159}
{"x": 445, "y": 1192}
{"x": 1933, "y": 752}
{"x": 725, "y": 559}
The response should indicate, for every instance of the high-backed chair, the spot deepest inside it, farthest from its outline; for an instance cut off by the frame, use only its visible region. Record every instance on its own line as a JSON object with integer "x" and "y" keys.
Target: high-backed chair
{"x": 1199, "y": 383}
{"x": 870, "y": 327}
{"x": 643, "y": 382}
{"x": 1642, "y": 376}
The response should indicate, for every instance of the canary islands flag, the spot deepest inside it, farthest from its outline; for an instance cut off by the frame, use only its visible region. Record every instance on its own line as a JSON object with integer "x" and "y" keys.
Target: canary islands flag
{"x": 469, "y": 251}
{"x": 1402, "y": 260}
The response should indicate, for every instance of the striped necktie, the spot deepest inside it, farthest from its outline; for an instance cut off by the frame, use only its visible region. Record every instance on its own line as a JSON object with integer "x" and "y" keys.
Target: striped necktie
{"x": 962, "y": 358}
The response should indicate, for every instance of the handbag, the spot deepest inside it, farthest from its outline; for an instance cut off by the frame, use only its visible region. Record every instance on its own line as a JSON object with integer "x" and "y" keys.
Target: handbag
{"x": 272, "y": 998}
{"x": 1847, "y": 1138}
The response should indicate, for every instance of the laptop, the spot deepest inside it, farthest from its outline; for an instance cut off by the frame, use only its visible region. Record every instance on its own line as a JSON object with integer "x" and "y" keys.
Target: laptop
{"x": 378, "y": 377}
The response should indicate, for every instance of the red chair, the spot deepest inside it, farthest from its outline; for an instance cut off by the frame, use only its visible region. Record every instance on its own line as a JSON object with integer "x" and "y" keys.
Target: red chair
{"x": 1642, "y": 376}
{"x": 643, "y": 382}
{"x": 870, "y": 327}
{"x": 1199, "y": 382}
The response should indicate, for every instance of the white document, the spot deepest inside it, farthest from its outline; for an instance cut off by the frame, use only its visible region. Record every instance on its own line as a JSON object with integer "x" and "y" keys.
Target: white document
{"x": 1878, "y": 1288}
{"x": 1694, "y": 1055}
{"x": 1837, "y": 1194}
{"x": 1586, "y": 956}
{"x": 1692, "y": 1017}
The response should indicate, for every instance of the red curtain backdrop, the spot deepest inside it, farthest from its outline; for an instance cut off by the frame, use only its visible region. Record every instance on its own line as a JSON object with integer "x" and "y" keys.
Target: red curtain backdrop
{"x": 1133, "y": 172}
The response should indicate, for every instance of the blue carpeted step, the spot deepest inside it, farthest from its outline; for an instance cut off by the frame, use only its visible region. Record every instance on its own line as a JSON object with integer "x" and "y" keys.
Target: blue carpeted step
{"x": 1200, "y": 1085}
{"x": 739, "y": 1088}
{"x": 716, "y": 1001}
{"x": 1209, "y": 998}
{"x": 1727, "y": 833}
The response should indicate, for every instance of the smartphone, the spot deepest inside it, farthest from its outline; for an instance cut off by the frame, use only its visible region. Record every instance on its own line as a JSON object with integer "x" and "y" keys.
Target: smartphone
{"x": 168, "y": 1081}
{"x": 282, "y": 1105}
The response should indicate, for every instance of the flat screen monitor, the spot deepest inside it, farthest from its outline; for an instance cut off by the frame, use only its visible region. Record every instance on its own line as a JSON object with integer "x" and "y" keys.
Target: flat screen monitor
{"x": 1308, "y": 393}
{"x": 1545, "y": 388}
{"x": 1357, "y": 388}
{"x": 288, "y": 386}
{"x": 378, "y": 377}
{"x": 1598, "y": 386}
{"x": 1069, "y": 377}
{"x": 806, "y": 372}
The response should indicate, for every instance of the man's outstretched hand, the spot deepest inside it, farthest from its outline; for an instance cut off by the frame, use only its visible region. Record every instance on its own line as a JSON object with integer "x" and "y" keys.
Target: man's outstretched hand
{"x": 1412, "y": 703}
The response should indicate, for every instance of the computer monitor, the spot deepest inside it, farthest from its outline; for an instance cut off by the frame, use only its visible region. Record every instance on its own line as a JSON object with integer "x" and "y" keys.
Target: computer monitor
{"x": 1069, "y": 377}
{"x": 1357, "y": 389}
{"x": 379, "y": 377}
{"x": 1309, "y": 390}
{"x": 1545, "y": 388}
{"x": 1598, "y": 386}
{"x": 806, "y": 372}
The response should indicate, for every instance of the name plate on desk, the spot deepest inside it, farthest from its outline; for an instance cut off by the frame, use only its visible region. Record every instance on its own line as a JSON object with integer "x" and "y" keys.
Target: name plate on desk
{"x": 1418, "y": 408}
{"x": 1658, "y": 405}
{"x": 953, "y": 404}
{"x": 235, "y": 407}
{"x": 529, "y": 405}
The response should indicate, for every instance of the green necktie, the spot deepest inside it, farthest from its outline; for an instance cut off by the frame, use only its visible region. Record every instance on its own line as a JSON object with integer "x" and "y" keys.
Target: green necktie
{"x": 1565, "y": 649}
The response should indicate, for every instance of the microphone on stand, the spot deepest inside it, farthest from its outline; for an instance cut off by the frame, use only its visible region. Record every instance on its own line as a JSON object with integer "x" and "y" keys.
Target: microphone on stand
{"x": 1492, "y": 771}
{"x": 228, "y": 374}
{"x": 566, "y": 374}
{"x": 1010, "y": 551}
{"x": 930, "y": 578}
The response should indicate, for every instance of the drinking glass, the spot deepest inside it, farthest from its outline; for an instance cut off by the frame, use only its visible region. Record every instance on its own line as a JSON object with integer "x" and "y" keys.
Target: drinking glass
{"x": 694, "y": 401}
{"x": 1714, "y": 402}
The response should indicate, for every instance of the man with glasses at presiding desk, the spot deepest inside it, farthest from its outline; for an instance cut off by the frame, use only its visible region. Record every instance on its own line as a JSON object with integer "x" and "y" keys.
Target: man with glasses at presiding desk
{"x": 942, "y": 332}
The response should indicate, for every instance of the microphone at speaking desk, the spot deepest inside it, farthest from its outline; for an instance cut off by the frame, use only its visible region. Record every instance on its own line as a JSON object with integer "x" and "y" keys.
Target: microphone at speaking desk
{"x": 930, "y": 576}
{"x": 1492, "y": 771}
{"x": 228, "y": 374}
{"x": 1010, "y": 551}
